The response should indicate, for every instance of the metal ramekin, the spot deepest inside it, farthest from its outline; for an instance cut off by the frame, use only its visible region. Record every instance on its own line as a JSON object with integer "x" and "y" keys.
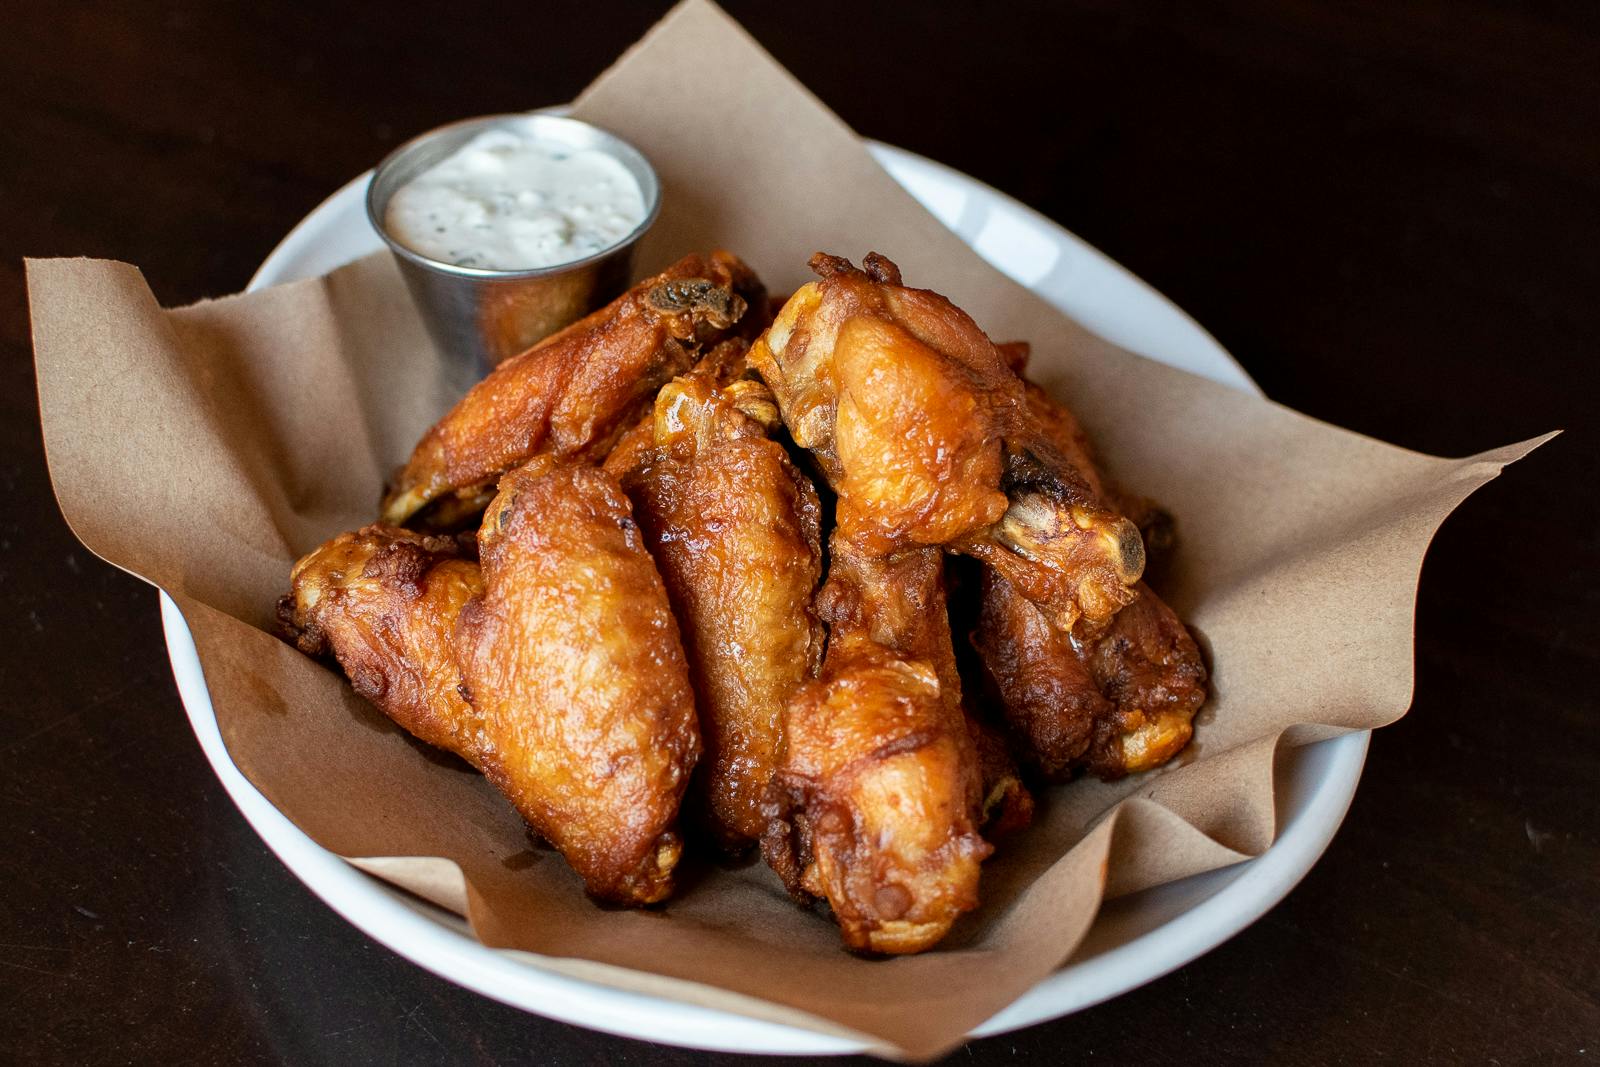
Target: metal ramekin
{"x": 479, "y": 317}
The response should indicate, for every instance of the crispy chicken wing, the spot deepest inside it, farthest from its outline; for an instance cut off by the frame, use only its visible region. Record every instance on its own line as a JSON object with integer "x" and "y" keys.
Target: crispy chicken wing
{"x": 902, "y": 603}
{"x": 573, "y": 656}
{"x": 1047, "y": 692}
{"x": 927, "y": 436}
{"x": 571, "y": 395}
{"x": 735, "y": 529}
{"x": 555, "y": 669}
{"x": 384, "y": 602}
{"x": 877, "y": 801}
{"x": 1119, "y": 702}
{"x": 1117, "y": 699}
{"x": 1148, "y": 666}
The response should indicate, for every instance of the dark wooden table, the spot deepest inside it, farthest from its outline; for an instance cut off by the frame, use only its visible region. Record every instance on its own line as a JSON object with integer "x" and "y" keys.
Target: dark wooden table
{"x": 1388, "y": 212}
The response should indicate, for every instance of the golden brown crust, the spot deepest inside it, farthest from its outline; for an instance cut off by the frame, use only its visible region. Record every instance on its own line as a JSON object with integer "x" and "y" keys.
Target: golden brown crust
{"x": 735, "y": 529}
{"x": 878, "y": 801}
{"x": 572, "y": 658}
{"x": 873, "y": 809}
{"x": 922, "y": 428}
{"x": 1114, "y": 699}
{"x": 1049, "y": 696}
{"x": 632, "y": 449}
{"x": 384, "y": 603}
{"x": 595, "y": 759}
{"x": 901, "y": 603}
{"x": 1149, "y": 667}
{"x": 570, "y": 396}
{"x": 897, "y": 601}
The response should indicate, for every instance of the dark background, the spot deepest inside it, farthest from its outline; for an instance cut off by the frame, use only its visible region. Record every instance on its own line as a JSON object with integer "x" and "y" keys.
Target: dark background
{"x": 1388, "y": 212}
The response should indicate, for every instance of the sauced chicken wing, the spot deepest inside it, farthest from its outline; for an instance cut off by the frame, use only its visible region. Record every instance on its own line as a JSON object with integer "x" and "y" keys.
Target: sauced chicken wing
{"x": 926, "y": 434}
{"x": 1116, "y": 700}
{"x": 572, "y": 657}
{"x": 735, "y": 529}
{"x": 876, "y": 804}
{"x": 571, "y": 395}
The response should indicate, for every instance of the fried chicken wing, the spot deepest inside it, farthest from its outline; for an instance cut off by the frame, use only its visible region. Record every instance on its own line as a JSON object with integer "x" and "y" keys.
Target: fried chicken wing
{"x": 1148, "y": 666}
{"x": 554, "y": 668}
{"x": 735, "y": 529}
{"x": 1048, "y": 694}
{"x": 384, "y": 602}
{"x": 874, "y": 804}
{"x": 926, "y": 434}
{"x": 570, "y": 396}
{"x": 877, "y": 801}
{"x": 1116, "y": 700}
{"x": 902, "y": 604}
{"x": 1117, "y": 703}
{"x": 573, "y": 659}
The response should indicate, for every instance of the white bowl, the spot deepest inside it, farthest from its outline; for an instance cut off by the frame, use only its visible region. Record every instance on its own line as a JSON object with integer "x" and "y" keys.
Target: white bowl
{"x": 1133, "y": 941}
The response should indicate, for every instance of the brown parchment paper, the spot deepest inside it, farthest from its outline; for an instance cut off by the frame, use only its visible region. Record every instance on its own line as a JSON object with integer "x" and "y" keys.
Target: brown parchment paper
{"x": 205, "y": 448}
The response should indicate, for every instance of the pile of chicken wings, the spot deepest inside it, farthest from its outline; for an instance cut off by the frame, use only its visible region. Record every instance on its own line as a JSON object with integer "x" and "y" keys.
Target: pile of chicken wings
{"x": 678, "y": 574}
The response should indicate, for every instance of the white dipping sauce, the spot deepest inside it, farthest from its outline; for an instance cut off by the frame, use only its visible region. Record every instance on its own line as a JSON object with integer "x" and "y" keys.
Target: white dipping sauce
{"x": 508, "y": 201}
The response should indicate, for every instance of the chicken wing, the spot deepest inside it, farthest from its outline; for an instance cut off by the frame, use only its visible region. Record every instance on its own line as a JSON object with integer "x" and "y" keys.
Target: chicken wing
{"x": 1148, "y": 666}
{"x": 384, "y": 602}
{"x": 571, "y": 395}
{"x": 573, "y": 659}
{"x": 1117, "y": 703}
{"x": 876, "y": 803}
{"x": 1115, "y": 700}
{"x": 735, "y": 529}
{"x": 1047, "y": 692}
{"x": 927, "y": 436}
{"x": 554, "y": 668}
{"x": 902, "y": 604}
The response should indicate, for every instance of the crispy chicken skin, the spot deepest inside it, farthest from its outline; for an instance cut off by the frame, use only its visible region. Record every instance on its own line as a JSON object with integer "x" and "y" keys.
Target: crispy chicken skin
{"x": 1148, "y": 666}
{"x": 1115, "y": 700}
{"x": 1114, "y": 704}
{"x": 899, "y": 601}
{"x": 572, "y": 657}
{"x": 735, "y": 529}
{"x": 926, "y": 433}
{"x": 902, "y": 602}
{"x": 877, "y": 801}
{"x": 554, "y": 668}
{"x": 384, "y": 602}
{"x": 1048, "y": 694}
{"x": 571, "y": 395}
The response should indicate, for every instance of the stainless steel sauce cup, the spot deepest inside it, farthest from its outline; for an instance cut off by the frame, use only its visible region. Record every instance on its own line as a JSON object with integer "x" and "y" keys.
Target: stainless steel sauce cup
{"x": 479, "y": 317}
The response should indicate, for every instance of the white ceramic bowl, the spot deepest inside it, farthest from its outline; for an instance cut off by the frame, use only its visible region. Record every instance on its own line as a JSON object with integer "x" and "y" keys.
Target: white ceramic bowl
{"x": 1134, "y": 940}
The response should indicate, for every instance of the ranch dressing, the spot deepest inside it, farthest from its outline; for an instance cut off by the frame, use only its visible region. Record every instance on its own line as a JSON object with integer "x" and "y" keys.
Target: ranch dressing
{"x": 508, "y": 201}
